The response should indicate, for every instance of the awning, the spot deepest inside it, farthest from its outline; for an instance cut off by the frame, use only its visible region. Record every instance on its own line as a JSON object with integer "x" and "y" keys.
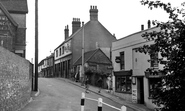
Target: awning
{"x": 123, "y": 73}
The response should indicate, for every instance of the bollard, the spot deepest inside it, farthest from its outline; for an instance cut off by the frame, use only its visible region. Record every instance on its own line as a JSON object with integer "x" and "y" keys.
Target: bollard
{"x": 100, "y": 104}
{"x": 82, "y": 101}
{"x": 123, "y": 108}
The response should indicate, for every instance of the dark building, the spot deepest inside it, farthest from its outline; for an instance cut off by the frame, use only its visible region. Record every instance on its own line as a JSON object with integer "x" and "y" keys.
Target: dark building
{"x": 13, "y": 25}
{"x": 96, "y": 64}
{"x": 95, "y": 36}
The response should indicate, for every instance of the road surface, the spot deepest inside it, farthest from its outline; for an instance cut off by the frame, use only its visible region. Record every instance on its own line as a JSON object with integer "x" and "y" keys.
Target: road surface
{"x": 58, "y": 95}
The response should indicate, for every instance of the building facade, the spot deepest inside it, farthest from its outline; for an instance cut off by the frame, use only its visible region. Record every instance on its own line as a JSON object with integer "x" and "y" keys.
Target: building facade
{"x": 40, "y": 68}
{"x": 131, "y": 80}
{"x": 13, "y": 25}
{"x": 95, "y": 35}
{"x": 48, "y": 66}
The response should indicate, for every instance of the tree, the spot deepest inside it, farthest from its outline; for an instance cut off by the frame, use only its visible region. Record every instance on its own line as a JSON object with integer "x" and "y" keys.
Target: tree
{"x": 170, "y": 43}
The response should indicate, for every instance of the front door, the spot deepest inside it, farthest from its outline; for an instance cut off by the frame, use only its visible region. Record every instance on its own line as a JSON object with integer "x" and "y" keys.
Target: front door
{"x": 140, "y": 90}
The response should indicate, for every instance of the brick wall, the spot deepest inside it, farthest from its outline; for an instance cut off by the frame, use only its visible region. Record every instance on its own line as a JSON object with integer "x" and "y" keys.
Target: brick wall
{"x": 15, "y": 81}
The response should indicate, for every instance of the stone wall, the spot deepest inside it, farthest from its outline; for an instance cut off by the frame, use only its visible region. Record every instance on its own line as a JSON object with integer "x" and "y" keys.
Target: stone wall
{"x": 15, "y": 81}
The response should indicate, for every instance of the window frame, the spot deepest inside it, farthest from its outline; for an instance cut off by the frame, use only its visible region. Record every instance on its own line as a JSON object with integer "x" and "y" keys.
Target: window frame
{"x": 127, "y": 85}
{"x": 154, "y": 59}
{"x": 153, "y": 82}
{"x": 60, "y": 51}
{"x": 122, "y": 60}
{"x": 56, "y": 53}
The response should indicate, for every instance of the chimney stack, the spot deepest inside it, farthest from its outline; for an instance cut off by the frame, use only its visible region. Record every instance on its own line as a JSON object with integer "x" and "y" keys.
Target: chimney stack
{"x": 142, "y": 27}
{"x": 66, "y": 32}
{"x": 93, "y": 13}
{"x": 76, "y": 24}
{"x": 149, "y": 24}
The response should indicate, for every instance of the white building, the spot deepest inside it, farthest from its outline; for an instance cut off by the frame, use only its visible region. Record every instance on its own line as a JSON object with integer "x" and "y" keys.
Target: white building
{"x": 130, "y": 80}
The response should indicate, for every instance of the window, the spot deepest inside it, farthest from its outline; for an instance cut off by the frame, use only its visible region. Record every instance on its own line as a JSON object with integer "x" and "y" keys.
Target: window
{"x": 56, "y": 53}
{"x": 60, "y": 52}
{"x": 154, "y": 59}
{"x": 123, "y": 84}
{"x": 122, "y": 62}
{"x": 152, "y": 85}
{"x": 62, "y": 49}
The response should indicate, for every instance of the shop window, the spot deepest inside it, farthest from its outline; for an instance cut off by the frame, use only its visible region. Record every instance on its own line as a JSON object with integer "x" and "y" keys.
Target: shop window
{"x": 122, "y": 62}
{"x": 152, "y": 85}
{"x": 123, "y": 84}
{"x": 154, "y": 59}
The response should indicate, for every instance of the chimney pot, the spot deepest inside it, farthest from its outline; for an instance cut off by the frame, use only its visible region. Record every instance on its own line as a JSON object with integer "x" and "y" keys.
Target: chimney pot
{"x": 149, "y": 24}
{"x": 66, "y": 32}
{"x": 93, "y": 13}
{"x": 76, "y": 24}
{"x": 142, "y": 27}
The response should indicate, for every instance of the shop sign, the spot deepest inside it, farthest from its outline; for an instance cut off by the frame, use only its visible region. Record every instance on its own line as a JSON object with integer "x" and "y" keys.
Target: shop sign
{"x": 118, "y": 59}
{"x": 134, "y": 95}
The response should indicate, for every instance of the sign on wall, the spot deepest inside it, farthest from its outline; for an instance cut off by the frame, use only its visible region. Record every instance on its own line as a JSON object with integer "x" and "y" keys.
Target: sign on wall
{"x": 134, "y": 95}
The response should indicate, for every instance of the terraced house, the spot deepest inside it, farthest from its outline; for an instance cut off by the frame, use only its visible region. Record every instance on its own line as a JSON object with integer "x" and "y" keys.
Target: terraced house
{"x": 13, "y": 25}
{"x": 68, "y": 52}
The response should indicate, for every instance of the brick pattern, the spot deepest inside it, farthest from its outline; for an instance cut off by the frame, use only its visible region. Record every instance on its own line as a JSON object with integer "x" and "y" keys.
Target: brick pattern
{"x": 15, "y": 81}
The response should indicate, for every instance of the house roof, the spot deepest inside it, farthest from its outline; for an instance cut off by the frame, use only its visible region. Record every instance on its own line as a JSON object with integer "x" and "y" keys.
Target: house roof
{"x": 90, "y": 57}
{"x": 7, "y": 14}
{"x": 15, "y": 6}
{"x": 41, "y": 62}
{"x": 92, "y": 29}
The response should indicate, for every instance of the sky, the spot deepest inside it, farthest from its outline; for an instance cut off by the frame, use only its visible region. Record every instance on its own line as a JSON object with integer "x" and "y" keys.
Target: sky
{"x": 119, "y": 17}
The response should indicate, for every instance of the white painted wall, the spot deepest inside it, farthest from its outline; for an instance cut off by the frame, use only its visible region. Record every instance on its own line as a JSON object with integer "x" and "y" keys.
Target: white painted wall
{"x": 136, "y": 61}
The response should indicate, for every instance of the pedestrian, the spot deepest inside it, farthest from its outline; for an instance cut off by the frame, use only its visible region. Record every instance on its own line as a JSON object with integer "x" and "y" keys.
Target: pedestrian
{"x": 109, "y": 83}
{"x": 99, "y": 84}
{"x": 86, "y": 84}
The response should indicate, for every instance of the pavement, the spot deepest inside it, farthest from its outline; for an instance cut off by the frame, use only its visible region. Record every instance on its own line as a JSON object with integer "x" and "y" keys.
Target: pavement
{"x": 111, "y": 96}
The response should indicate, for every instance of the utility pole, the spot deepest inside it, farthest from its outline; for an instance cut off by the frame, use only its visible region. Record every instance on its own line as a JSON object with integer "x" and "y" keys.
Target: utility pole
{"x": 83, "y": 45}
{"x": 36, "y": 46}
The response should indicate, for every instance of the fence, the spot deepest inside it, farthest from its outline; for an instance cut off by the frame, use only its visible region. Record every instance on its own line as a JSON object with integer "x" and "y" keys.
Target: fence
{"x": 100, "y": 103}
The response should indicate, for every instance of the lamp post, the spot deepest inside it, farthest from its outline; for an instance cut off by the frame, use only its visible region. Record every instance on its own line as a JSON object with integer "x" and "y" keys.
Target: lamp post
{"x": 36, "y": 46}
{"x": 83, "y": 44}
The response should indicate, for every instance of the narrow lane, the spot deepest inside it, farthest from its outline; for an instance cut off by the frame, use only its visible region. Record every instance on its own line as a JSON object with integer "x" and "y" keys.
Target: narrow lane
{"x": 58, "y": 95}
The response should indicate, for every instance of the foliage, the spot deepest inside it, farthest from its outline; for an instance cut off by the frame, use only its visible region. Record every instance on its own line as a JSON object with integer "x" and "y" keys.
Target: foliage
{"x": 170, "y": 43}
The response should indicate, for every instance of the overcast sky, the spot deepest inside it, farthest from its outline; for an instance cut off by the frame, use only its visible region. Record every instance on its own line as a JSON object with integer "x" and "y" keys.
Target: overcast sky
{"x": 120, "y": 17}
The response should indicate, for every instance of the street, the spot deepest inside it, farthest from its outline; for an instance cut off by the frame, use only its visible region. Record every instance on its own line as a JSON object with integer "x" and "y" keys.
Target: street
{"x": 58, "y": 95}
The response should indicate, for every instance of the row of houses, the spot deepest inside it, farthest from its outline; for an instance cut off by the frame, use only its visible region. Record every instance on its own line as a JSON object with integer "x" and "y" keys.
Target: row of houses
{"x": 105, "y": 55}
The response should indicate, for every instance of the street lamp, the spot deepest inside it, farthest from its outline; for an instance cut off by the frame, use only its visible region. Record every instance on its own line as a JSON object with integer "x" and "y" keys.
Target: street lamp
{"x": 83, "y": 46}
{"x": 36, "y": 46}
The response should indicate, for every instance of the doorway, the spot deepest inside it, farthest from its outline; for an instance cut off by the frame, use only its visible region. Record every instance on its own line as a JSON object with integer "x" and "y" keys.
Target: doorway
{"x": 140, "y": 88}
